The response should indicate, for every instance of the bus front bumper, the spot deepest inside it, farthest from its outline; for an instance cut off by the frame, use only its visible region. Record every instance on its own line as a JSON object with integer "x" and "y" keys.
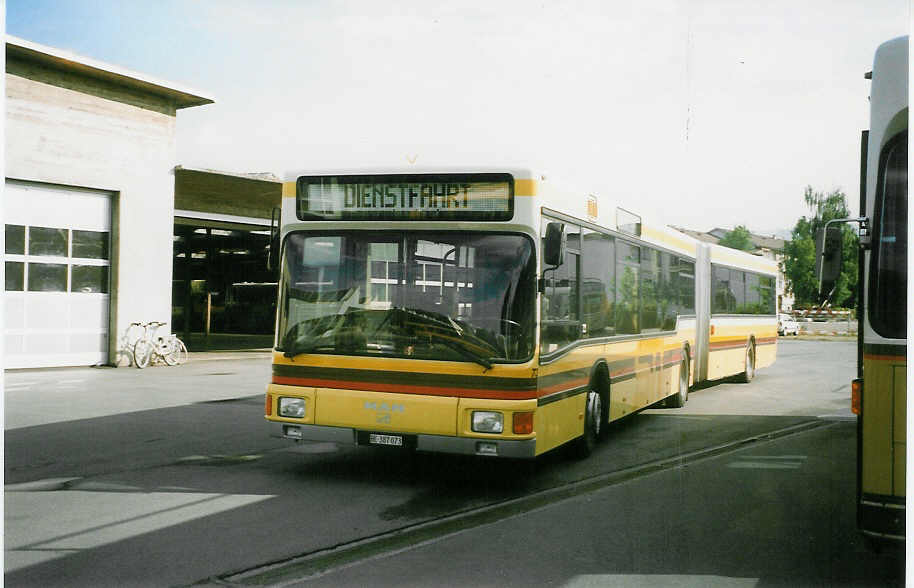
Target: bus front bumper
{"x": 511, "y": 448}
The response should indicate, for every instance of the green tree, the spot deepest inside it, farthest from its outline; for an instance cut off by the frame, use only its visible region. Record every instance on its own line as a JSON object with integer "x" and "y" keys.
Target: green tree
{"x": 800, "y": 251}
{"x": 739, "y": 238}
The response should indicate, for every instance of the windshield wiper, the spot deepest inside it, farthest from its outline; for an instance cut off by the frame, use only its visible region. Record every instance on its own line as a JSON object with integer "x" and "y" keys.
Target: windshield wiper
{"x": 466, "y": 352}
{"x": 294, "y": 343}
{"x": 443, "y": 328}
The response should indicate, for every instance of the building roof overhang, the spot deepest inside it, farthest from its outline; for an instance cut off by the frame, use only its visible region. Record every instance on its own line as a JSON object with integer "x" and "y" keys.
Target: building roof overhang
{"x": 218, "y": 195}
{"x": 183, "y": 97}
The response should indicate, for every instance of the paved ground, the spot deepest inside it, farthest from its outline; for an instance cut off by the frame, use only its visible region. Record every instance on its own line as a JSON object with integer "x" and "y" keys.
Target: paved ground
{"x": 776, "y": 514}
{"x": 782, "y": 515}
{"x": 67, "y": 394}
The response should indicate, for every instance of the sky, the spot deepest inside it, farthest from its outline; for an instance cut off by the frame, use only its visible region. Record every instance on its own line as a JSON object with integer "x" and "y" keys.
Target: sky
{"x": 695, "y": 113}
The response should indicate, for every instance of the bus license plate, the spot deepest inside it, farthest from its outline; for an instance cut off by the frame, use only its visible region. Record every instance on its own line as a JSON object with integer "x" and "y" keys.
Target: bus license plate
{"x": 376, "y": 439}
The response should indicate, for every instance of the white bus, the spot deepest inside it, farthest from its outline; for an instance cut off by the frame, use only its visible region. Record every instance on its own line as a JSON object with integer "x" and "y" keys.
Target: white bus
{"x": 880, "y": 390}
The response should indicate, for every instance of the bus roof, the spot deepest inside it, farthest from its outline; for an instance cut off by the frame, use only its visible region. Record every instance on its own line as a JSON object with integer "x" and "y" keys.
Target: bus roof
{"x": 521, "y": 173}
{"x": 889, "y": 91}
{"x": 742, "y": 259}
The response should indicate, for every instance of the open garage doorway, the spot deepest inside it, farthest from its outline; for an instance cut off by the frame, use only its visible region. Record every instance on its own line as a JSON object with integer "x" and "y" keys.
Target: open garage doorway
{"x": 223, "y": 296}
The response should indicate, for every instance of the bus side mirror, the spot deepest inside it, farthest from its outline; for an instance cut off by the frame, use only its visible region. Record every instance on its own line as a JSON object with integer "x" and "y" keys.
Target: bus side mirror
{"x": 828, "y": 259}
{"x": 273, "y": 247}
{"x": 554, "y": 246}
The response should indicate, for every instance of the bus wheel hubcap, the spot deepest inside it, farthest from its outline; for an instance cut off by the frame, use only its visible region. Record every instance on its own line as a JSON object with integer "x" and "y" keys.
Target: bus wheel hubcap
{"x": 683, "y": 378}
{"x": 593, "y": 411}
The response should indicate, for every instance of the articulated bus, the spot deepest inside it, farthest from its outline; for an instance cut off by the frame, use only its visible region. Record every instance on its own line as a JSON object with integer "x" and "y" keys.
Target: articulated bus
{"x": 490, "y": 312}
{"x": 880, "y": 390}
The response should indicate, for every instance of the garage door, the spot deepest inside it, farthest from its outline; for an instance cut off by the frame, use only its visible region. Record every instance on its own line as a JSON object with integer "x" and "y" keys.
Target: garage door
{"x": 57, "y": 267}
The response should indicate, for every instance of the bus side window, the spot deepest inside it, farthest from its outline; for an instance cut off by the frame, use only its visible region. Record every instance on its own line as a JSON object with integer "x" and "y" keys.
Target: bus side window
{"x": 598, "y": 284}
{"x": 721, "y": 297}
{"x": 628, "y": 298}
{"x": 651, "y": 309}
{"x": 686, "y": 286}
{"x": 561, "y": 323}
{"x": 668, "y": 295}
{"x": 753, "y": 303}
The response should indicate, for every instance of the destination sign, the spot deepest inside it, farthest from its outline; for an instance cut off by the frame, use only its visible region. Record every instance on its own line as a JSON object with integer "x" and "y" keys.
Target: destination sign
{"x": 451, "y": 197}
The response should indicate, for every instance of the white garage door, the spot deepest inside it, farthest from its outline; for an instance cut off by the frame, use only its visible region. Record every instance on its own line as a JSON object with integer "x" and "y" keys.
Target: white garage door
{"x": 57, "y": 275}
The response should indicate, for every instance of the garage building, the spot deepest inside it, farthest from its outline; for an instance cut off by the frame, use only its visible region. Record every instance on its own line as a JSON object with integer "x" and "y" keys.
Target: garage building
{"x": 88, "y": 205}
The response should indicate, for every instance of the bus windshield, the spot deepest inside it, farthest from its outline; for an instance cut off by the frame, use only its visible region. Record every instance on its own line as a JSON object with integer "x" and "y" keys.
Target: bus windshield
{"x": 424, "y": 295}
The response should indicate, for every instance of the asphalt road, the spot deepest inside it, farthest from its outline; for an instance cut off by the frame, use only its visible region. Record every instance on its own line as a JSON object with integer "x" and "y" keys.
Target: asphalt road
{"x": 194, "y": 491}
{"x": 778, "y": 513}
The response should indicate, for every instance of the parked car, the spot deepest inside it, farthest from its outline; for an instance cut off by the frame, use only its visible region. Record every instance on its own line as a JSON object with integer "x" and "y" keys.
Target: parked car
{"x": 787, "y": 325}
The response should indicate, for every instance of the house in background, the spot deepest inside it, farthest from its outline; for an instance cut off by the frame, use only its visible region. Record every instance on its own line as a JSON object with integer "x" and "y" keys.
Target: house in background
{"x": 765, "y": 246}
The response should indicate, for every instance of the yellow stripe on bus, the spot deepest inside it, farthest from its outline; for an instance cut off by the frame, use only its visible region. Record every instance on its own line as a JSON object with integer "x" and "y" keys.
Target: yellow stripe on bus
{"x": 667, "y": 239}
{"x": 525, "y": 187}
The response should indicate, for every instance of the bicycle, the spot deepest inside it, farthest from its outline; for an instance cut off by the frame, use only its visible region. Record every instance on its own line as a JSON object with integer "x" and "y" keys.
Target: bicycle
{"x": 150, "y": 348}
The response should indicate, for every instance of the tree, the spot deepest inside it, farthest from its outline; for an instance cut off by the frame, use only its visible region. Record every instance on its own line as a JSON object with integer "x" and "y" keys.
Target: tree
{"x": 739, "y": 238}
{"x": 800, "y": 251}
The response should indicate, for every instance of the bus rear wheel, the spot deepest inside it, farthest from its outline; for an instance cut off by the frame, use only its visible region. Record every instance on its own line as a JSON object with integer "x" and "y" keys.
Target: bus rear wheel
{"x": 679, "y": 399}
{"x": 749, "y": 369}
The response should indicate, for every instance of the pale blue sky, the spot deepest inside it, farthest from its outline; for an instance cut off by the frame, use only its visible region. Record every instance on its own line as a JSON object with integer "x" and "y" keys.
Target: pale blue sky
{"x": 700, "y": 113}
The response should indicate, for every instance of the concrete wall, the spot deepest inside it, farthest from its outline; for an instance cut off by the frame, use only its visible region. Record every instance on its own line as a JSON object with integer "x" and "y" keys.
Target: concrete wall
{"x": 62, "y": 128}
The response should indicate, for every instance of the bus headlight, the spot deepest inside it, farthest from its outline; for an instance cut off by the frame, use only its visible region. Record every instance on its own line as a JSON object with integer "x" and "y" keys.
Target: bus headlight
{"x": 292, "y": 407}
{"x": 486, "y": 421}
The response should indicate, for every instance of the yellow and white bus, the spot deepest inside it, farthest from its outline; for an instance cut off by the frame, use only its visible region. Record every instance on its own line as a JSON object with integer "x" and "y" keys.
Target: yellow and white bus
{"x": 491, "y": 312}
{"x": 880, "y": 391}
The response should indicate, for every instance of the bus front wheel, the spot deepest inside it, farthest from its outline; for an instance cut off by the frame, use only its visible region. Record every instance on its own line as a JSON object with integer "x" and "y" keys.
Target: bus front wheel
{"x": 593, "y": 422}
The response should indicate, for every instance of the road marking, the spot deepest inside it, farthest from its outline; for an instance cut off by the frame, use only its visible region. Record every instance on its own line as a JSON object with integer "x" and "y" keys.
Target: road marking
{"x": 88, "y": 520}
{"x": 680, "y": 581}
{"x": 44, "y": 485}
{"x": 216, "y": 459}
{"x": 26, "y": 384}
{"x": 789, "y": 457}
{"x": 769, "y": 462}
{"x": 758, "y": 465}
